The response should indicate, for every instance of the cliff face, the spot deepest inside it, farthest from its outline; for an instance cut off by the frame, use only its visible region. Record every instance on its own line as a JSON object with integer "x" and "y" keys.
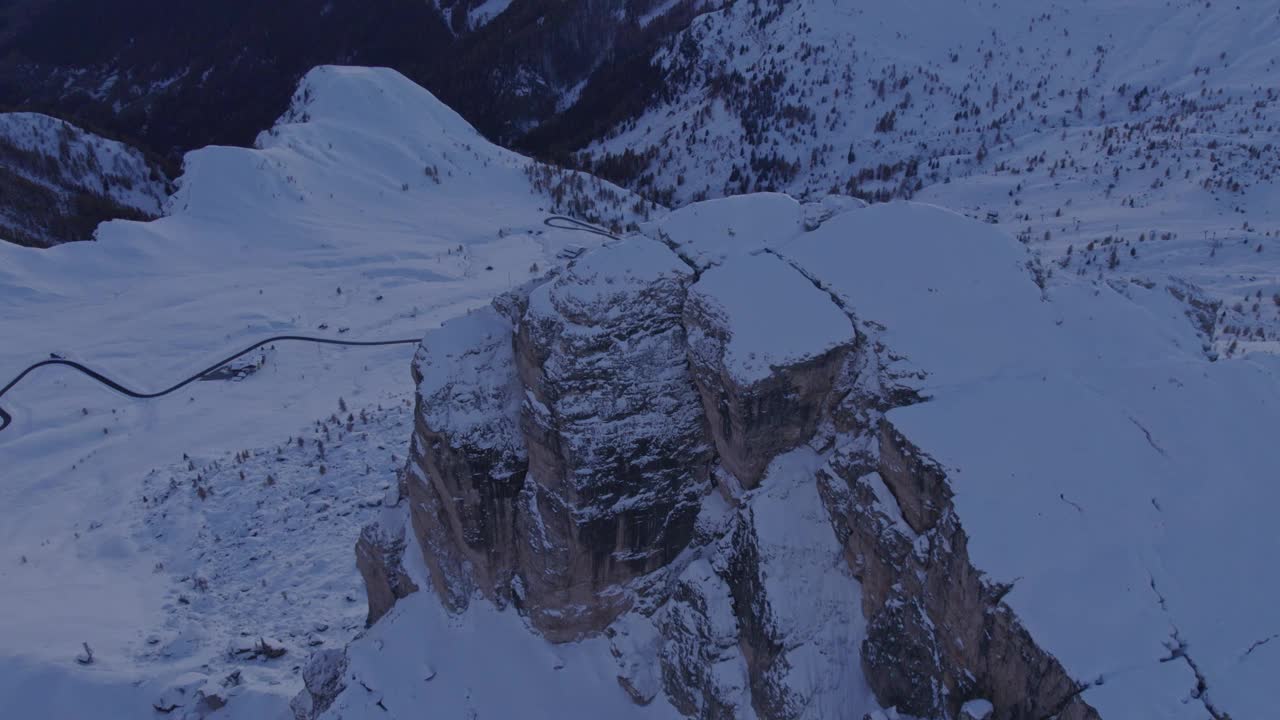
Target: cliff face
{"x": 467, "y": 464}
{"x": 763, "y": 384}
{"x": 560, "y": 450}
{"x": 698, "y": 465}
{"x": 617, "y": 455}
{"x": 937, "y": 632}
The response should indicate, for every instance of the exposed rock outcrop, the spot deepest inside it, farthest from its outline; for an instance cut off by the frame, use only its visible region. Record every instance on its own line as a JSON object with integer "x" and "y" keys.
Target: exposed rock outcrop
{"x": 380, "y": 560}
{"x": 323, "y": 678}
{"x": 567, "y": 444}
{"x": 937, "y": 632}
{"x": 467, "y": 462}
{"x": 560, "y": 449}
{"x": 703, "y": 669}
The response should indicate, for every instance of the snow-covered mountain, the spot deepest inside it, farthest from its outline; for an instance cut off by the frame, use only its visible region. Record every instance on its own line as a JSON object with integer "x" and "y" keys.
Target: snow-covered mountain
{"x": 831, "y": 459}
{"x": 794, "y": 95}
{"x": 759, "y": 458}
{"x": 57, "y": 182}
{"x": 178, "y": 76}
{"x": 997, "y": 448}
{"x": 1133, "y": 141}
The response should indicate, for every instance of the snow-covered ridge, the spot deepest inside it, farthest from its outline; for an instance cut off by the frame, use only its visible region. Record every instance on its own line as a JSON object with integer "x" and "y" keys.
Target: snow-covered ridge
{"x": 373, "y": 211}
{"x": 60, "y": 181}
{"x": 803, "y": 96}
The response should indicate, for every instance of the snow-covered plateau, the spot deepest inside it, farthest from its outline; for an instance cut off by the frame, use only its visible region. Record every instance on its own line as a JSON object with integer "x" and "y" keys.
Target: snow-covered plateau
{"x": 757, "y": 457}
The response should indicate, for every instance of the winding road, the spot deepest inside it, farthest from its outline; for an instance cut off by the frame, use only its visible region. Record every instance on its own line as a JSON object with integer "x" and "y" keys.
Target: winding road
{"x": 558, "y": 222}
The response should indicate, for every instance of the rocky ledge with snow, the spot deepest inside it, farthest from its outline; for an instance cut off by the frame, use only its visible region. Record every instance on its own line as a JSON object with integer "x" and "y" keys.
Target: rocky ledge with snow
{"x": 862, "y": 464}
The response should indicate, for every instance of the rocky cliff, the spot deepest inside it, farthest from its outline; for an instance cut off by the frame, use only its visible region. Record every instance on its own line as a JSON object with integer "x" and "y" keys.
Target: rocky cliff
{"x": 852, "y": 465}
{"x": 695, "y": 462}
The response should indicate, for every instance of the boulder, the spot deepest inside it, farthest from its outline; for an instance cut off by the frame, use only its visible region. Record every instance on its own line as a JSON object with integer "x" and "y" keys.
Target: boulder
{"x": 323, "y": 677}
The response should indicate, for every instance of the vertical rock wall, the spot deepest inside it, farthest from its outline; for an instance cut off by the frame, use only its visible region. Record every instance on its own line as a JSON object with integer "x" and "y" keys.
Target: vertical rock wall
{"x": 757, "y": 543}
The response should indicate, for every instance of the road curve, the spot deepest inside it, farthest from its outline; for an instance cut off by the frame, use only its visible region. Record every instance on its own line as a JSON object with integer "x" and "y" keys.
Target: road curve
{"x": 6, "y": 419}
{"x": 559, "y": 222}
{"x": 564, "y": 222}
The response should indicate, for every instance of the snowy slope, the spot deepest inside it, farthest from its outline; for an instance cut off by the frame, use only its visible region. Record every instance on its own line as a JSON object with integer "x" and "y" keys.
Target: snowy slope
{"x": 1102, "y": 466}
{"x": 1143, "y": 126}
{"x": 60, "y": 181}
{"x": 371, "y": 211}
{"x": 835, "y": 88}
{"x": 484, "y": 663}
{"x": 85, "y": 160}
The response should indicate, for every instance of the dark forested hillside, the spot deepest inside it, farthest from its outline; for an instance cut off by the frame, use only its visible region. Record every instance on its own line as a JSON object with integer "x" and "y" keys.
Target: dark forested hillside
{"x": 168, "y": 76}
{"x": 172, "y": 75}
{"x": 177, "y": 75}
